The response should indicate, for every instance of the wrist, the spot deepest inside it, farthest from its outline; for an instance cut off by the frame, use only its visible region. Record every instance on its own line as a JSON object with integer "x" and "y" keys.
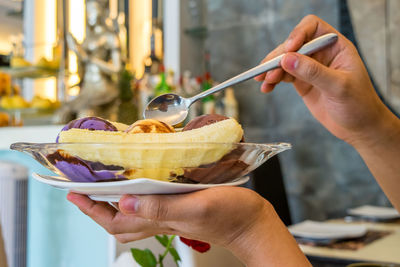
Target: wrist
{"x": 242, "y": 245}
{"x": 268, "y": 242}
{"x": 383, "y": 132}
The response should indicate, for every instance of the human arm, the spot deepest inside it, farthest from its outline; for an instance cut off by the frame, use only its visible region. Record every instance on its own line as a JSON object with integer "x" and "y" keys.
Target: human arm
{"x": 236, "y": 218}
{"x": 336, "y": 88}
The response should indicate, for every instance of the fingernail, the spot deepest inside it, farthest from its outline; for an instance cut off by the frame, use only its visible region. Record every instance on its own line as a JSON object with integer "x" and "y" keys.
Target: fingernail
{"x": 271, "y": 73}
{"x": 129, "y": 204}
{"x": 288, "y": 44}
{"x": 258, "y": 79}
{"x": 69, "y": 197}
{"x": 291, "y": 61}
{"x": 264, "y": 86}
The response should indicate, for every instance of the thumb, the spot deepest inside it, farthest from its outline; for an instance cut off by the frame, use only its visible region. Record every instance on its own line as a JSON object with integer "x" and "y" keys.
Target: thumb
{"x": 309, "y": 70}
{"x": 153, "y": 207}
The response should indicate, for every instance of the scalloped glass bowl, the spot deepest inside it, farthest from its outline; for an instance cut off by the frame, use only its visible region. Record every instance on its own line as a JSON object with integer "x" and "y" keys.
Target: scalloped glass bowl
{"x": 205, "y": 163}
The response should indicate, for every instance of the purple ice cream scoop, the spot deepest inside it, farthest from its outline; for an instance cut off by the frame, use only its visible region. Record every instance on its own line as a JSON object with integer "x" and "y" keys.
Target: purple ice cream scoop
{"x": 89, "y": 123}
{"x": 79, "y": 170}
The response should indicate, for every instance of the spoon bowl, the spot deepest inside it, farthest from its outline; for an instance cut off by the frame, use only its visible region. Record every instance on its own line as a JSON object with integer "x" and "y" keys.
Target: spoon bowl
{"x": 169, "y": 108}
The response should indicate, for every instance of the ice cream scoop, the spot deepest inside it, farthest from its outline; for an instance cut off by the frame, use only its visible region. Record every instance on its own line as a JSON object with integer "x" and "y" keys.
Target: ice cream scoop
{"x": 79, "y": 170}
{"x": 227, "y": 168}
{"x": 89, "y": 123}
{"x": 149, "y": 126}
{"x": 203, "y": 120}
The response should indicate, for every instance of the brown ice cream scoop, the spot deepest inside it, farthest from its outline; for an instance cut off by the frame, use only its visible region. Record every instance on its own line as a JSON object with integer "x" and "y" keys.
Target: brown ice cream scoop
{"x": 224, "y": 170}
{"x": 149, "y": 126}
{"x": 204, "y": 120}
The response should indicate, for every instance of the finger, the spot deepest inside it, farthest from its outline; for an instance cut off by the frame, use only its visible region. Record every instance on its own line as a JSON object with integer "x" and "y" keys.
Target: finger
{"x": 125, "y": 238}
{"x": 164, "y": 207}
{"x": 309, "y": 28}
{"x": 260, "y": 77}
{"x": 310, "y": 71}
{"x": 101, "y": 212}
{"x": 267, "y": 87}
{"x": 287, "y": 78}
{"x": 110, "y": 219}
{"x": 271, "y": 80}
{"x": 274, "y": 76}
{"x": 274, "y": 53}
{"x": 153, "y": 207}
{"x": 280, "y": 49}
{"x": 114, "y": 205}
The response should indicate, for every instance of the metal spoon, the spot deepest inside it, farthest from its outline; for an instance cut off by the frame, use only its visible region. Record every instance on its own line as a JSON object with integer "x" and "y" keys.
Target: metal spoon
{"x": 173, "y": 109}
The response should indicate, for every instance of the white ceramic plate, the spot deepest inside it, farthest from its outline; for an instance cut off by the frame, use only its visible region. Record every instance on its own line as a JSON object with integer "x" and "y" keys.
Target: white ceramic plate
{"x": 113, "y": 191}
{"x": 323, "y": 230}
{"x": 375, "y": 212}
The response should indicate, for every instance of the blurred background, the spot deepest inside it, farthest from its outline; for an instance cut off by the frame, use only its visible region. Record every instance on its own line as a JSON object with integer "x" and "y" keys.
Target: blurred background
{"x": 63, "y": 59}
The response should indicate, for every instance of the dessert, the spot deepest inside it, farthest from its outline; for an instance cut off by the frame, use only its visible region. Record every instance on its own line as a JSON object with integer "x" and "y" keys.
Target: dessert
{"x": 204, "y": 151}
{"x": 203, "y": 120}
{"x": 228, "y": 167}
{"x": 78, "y": 169}
{"x": 149, "y": 126}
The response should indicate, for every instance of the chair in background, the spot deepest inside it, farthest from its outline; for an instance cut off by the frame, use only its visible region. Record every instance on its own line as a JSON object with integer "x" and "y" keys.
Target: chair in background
{"x": 268, "y": 182}
{"x": 13, "y": 211}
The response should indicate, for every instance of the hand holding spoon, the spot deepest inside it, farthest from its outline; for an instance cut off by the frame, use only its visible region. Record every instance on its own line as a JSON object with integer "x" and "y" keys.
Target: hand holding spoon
{"x": 173, "y": 109}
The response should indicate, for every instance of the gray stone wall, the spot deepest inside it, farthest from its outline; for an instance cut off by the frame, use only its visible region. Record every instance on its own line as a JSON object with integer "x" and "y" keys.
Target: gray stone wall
{"x": 323, "y": 175}
{"x": 379, "y": 42}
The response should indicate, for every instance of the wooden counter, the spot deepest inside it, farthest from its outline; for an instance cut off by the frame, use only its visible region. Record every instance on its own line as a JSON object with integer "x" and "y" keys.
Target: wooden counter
{"x": 386, "y": 249}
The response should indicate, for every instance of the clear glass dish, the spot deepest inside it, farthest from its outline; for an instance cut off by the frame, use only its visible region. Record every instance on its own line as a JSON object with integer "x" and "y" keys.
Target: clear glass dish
{"x": 206, "y": 163}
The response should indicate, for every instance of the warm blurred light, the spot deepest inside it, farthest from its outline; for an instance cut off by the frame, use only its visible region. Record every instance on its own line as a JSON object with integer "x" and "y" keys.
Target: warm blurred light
{"x": 159, "y": 43}
{"x": 139, "y": 32}
{"x": 74, "y": 91}
{"x": 113, "y": 4}
{"x": 49, "y": 89}
{"x": 72, "y": 62}
{"x": 50, "y": 36}
{"x": 73, "y": 79}
{"x": 77, "y": 18}
{"x": 5, "y": 47}
{"x": 46, "y": 88}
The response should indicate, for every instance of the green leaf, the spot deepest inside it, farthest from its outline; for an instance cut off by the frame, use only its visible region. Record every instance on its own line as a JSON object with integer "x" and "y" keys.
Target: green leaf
{"x": 160, "y": 260}
{"x": 175, "y": 255}
{"x": 163, "y": 239}
{"x": 144, "y": 257}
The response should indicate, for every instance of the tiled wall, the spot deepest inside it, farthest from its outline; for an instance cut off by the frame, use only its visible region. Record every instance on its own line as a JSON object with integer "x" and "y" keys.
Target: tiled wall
{"x": 323, "y": 175}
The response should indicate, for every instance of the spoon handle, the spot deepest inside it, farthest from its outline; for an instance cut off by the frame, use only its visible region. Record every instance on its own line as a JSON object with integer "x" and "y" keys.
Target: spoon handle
{"x": 307, "y": 49}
